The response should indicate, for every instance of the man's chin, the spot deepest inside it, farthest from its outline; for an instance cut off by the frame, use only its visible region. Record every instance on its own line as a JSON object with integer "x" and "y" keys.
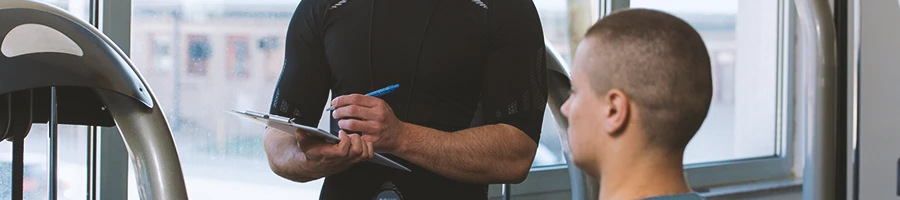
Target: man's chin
{"x": 586, "y": 167}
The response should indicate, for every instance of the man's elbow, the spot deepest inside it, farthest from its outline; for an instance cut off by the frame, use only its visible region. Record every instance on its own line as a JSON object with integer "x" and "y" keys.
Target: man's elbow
{"x": 518, "y": 169}
{"x": 520, "y": 172}
{"x": 513, "y": 174}
{"x": 286, "y": 174}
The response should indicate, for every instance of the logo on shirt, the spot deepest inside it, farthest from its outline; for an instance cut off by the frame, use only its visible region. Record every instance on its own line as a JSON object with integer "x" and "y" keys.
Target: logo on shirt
{"x": 338, "y": 4}
{"x": 480, "y": 3}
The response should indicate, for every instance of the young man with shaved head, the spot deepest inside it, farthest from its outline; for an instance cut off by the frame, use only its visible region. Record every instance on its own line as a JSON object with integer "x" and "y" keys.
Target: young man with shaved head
{"x": 641, "y": 89}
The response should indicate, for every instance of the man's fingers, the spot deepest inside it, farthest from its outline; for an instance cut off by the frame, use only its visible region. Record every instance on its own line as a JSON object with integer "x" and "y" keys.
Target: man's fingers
{"x": 366, "y": 151}
{"x": 305, "y": 141}
{"x": 369, "y": 138}
{"x": 370, "y": 150}
{"x": 356, "y": 125}
{"x": 356, "y": 146}
{"x": 355, "y": 99}
{"x": 355, "y": 111}
{"x": 343, "y": 147}
{"x": 315, "y": 151}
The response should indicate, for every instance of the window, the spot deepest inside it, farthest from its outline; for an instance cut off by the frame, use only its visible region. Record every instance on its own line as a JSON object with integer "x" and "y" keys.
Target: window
{"x": 160, "y": 50}
{"x": 238, "y": 56}
{"x": 748, "y": 128}
{"x": 72, "y": 149}
{"x": 742, "y": 39}
{"x": 221, "y": 156}
{"x": 71, "y": 171}
{"x": 557, "y": 21}
{"x": 270, "y": 46}
{"x": 199, "y": 52}
{"x": 78, "y": 8}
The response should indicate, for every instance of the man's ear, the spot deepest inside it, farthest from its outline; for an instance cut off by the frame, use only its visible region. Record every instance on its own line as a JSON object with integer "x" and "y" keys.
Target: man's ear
{"x": 618, "y": 113}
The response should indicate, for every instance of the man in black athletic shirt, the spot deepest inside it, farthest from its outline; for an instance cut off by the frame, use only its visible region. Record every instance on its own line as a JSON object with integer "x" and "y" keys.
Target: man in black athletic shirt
{"x": 468, "y": 111}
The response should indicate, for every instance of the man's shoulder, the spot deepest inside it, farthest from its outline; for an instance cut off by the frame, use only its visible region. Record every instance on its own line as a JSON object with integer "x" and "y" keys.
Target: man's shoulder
{"x": 689, "y": 196}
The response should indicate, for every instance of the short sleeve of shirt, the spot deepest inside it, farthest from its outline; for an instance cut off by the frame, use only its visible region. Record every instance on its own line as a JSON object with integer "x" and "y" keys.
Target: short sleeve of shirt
{"x": 515, "y": 86}
{"x": 302, "y": 89}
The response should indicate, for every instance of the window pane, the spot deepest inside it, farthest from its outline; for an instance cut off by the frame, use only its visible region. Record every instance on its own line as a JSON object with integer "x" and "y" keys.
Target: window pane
{"x": 78, "y": 8}
{"x": 72, "y": 169}
{"x": 201, "y": 57}
{"x": 549, "y": 150}
{"x": 72, "y": 149}
{"x": 555, "y": 19}
{"x": 742, "y": 39}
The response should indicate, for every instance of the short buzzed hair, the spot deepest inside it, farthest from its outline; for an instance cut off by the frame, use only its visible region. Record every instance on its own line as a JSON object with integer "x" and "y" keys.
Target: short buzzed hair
{"x": 661, "y": 63}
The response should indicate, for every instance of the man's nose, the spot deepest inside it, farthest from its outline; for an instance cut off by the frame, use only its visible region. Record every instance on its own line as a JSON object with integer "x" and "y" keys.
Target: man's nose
{"x": 565, "y": 107}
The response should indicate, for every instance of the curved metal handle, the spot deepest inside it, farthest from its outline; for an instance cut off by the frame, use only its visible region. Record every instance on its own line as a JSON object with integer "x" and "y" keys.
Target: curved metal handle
{"x": 817, "y": 98}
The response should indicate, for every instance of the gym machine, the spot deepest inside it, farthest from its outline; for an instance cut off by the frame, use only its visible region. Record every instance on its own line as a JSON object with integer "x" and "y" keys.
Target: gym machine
{"x": 58, "y": 69}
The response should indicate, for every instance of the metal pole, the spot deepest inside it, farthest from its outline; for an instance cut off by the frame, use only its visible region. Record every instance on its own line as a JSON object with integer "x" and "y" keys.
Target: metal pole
{"x": 817, "y": 98}
{"x": 506, "y": 191}
{"x": 841, "y": 36}
{"x": 92, "y": 163}
{"x": 18, "y": 167}
{"x": 95, "y": 18}
{"x": 54, "y": 130}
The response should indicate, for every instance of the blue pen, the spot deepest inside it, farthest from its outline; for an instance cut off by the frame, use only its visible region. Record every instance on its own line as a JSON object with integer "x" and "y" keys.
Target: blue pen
{"x": 377, "y": 93}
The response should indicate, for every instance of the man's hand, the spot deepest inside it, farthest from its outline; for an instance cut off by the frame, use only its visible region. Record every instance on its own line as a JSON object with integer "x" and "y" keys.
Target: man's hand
{"x": 372, "y": 117}
{"x": 332, "y": 158}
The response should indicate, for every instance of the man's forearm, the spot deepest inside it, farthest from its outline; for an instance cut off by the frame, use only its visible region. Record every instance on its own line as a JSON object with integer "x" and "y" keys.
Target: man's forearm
{"x": 488, "y": 154}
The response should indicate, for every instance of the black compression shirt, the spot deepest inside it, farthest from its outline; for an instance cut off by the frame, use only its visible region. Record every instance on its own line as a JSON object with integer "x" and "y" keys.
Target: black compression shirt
{"x": 459, "y": 63}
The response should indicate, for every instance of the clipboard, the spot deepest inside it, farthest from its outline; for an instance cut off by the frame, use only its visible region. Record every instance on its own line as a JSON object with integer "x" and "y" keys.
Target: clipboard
{"x": 288, "y": 126}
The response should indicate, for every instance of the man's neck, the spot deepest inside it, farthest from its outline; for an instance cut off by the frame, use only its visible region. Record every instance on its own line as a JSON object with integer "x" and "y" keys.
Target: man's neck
{"x": 643, "y": 175}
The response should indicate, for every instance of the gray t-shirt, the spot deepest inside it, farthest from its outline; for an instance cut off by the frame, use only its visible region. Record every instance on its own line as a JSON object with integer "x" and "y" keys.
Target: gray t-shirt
{"x": 689, "y": 196}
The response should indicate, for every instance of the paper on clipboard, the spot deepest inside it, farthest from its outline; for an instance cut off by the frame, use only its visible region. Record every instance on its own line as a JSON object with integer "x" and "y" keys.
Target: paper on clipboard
{"x": 284, "y": 124}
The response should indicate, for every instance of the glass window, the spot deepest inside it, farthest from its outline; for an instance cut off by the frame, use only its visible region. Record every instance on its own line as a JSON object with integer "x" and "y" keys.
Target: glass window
{"x": 549, "y": 150}
{"x": 205, "y": 56}
{"x": 72, "y": 149}
{"x": 199, "y": 51}
{"x": 78, "y": 8}
{"x": 72, "y": 168}
{"x": 554, "y": 19}
{"x": 161, "y": 49}
{"x": 238, "y": 55}
{"x": 742, "y": 39}
{"x": 557, "y": 21}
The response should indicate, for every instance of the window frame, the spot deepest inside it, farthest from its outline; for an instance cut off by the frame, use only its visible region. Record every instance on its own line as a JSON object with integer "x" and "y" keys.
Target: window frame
{"x": 552, "y": 179}
{"x": 108, "y": 158}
